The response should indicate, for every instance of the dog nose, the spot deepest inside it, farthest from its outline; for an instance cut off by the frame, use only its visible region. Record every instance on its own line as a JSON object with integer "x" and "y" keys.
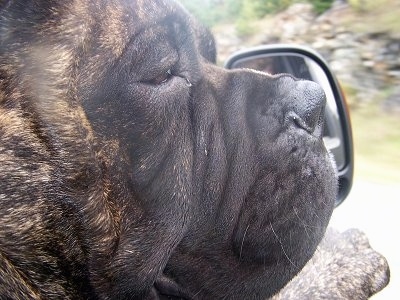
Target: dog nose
{"x": 307, "y": 105}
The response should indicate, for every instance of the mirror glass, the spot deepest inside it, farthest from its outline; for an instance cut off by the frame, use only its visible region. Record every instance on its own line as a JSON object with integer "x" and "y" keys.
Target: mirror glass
{"x": 304, "y": 67}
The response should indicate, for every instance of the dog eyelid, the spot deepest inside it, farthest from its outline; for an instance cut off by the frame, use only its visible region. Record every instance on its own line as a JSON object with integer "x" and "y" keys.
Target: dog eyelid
{"x": 162, "y": 78}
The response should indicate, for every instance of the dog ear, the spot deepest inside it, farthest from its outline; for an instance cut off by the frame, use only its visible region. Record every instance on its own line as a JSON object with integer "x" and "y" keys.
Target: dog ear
{"x": 206, "y": 43}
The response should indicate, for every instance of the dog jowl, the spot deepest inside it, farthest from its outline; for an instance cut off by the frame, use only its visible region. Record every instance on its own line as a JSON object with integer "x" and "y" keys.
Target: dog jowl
{"x": 133, "y": 167}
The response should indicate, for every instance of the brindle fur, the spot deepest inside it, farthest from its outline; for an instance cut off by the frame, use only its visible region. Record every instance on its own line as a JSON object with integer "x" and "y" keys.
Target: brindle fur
{"x": 117, "y": 184}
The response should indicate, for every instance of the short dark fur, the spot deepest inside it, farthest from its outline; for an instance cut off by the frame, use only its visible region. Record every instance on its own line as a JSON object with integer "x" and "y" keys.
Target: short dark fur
{"x": 119, "y": 180}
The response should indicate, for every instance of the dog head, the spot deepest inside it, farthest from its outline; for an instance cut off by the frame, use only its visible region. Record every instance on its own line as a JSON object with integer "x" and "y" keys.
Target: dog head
{"x": 218, "y": 180}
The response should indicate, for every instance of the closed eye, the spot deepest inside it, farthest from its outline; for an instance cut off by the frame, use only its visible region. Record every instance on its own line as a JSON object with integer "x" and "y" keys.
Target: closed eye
{"x": 162, "y": 78}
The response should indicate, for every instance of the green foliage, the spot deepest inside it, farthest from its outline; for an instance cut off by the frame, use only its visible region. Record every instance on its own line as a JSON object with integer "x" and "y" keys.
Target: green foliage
{"x": 264, "y": 7}
{"x": 321, "y": 5}
{"x": 211, "y": 12}
{"x": 247, "y": 13}
{"x": 208, "y": 12}
{"x": 256, "y": 9}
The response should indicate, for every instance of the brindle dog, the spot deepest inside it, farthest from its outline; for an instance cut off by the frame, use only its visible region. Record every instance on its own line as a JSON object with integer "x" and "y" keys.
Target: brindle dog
{"x": 133, "y": 167}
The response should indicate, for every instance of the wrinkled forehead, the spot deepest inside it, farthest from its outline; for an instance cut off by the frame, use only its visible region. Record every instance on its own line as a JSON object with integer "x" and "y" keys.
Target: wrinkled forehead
{"x": 122, "y": 20}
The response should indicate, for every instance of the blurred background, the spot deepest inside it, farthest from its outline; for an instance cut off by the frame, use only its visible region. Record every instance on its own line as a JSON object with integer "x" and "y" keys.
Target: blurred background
{"x": 360, "y": 39}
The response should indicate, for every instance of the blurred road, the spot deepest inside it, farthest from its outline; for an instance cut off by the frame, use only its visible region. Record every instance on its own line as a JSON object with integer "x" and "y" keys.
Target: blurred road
{"x": 375, "y": 209}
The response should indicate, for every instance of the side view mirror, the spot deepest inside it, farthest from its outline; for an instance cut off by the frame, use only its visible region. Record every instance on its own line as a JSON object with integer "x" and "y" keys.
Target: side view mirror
{"x": 305, "y": 63}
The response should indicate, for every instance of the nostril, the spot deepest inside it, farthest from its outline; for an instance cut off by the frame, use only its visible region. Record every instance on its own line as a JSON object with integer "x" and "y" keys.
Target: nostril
{"x": 299, "y": 122}
{"x": 309, "y": 108}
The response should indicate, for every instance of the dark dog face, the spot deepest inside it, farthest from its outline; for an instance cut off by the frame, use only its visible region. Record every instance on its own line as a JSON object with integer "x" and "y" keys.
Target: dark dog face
{"x": 148, "y": 169}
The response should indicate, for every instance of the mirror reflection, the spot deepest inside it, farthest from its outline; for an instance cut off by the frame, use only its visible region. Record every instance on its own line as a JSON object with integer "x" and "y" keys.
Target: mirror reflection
{"x": 304, "y": 67}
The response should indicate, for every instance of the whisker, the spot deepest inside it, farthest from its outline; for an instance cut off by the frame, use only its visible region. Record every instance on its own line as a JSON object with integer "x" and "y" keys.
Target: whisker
{"x": 308, "y": 226}
{"x": 241, "y": 246}
{"x": 283, "y": 249}
{"x": 315, "y": 214}
{"x": 301, "y": 221}
{"x": 198, "y": 292}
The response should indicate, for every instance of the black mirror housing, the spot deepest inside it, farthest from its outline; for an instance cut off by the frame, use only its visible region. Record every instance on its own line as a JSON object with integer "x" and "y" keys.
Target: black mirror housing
{"x": 305, "y": 63}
